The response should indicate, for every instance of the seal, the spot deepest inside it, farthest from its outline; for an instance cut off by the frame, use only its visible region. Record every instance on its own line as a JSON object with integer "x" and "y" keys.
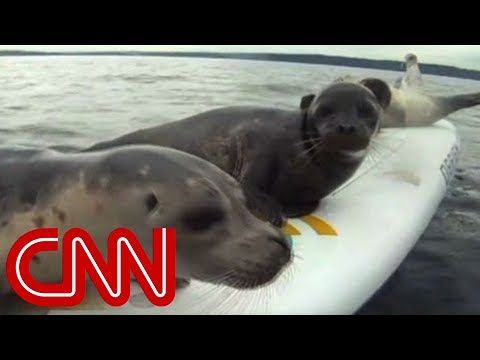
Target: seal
{"x": 413, "y": 76}
{"x": 410, "y": 107}
{"x": 285, "y": 160}
{"x": 138, "y": 187}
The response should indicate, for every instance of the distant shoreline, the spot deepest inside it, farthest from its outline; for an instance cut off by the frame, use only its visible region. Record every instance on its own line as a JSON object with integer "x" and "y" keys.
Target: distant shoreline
{"x": 390, "y": 65}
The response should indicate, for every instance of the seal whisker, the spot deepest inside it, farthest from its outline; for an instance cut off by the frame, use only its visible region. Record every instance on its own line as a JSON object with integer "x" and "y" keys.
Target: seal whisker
{"x": 263, "y": 299}
{"x": 257, "y": 300}
{"x": 312, "y": 154}
{"x": 211, "y": 289}
{"x": 272, "y": 294}
{"x": 201, "y": 304}
{"x": 314, "y": 144}
{"x": 376, "y": 143}
{"x": 309, "y": 154}
{"x": 246, "y": 299}
{"x": 268, "y": 299}
{"x": 219, "y": 278}
{"x": 377, "y": 149}
{"x": 197, "y": 304}
{"x": 260, "y": 300}
{"x": 299, "y": 257}
{"x": 303, "y": 142}
{"x": 375, "y": 158}
{"x": 372, "y": 155}
{"x": 249, "y": 300}
{"x": 207, "y": 297}
{"x": 226, "y": 305}
{"x": 378, "y": 153}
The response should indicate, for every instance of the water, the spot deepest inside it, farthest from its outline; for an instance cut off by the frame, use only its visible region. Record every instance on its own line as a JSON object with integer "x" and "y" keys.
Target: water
{"x": 77, "y": 101}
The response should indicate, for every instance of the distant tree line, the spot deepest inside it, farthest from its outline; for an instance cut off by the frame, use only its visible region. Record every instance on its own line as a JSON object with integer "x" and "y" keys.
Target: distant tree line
{"x": 432, "y": 69}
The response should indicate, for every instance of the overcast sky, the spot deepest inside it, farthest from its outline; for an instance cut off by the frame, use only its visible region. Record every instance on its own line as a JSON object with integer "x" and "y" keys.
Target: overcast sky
{"x": 466, "y": 56}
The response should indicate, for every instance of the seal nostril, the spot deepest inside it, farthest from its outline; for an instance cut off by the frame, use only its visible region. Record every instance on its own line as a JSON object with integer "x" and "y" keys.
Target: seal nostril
{"x": 283, "y": 241}
{"x": 346, "y": 129}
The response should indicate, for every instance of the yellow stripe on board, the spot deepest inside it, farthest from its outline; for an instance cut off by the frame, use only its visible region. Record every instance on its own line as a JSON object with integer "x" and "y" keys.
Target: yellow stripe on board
{"x": 319, "y": 225}
{"x": 291, "y": 230}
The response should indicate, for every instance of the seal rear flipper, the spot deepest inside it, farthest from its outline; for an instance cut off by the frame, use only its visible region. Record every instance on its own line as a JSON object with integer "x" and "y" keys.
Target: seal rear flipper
{"x": 455, "y": 103}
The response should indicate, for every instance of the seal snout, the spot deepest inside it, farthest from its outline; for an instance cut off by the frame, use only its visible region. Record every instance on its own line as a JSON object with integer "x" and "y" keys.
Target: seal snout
{"x": 283, "y": 241}
{"x": 348, "y": 137}
{"x": 249, "y": 263}
{"x": 266, "y": 262}
{"x": 346, "y": 129}
{"x": 281, "y": 254}
{"x": 268, "y": 247}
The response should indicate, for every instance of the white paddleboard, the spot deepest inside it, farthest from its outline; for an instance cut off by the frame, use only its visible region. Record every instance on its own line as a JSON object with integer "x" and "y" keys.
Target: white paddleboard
{"x": 349, "y": 248}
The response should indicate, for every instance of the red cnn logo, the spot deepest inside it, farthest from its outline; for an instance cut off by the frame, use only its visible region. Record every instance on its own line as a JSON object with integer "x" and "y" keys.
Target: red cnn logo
{"x": 81, "y": 255}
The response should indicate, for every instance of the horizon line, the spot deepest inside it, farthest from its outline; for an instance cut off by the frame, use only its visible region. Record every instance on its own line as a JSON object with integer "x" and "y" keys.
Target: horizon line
{"x": 221, "y": 54}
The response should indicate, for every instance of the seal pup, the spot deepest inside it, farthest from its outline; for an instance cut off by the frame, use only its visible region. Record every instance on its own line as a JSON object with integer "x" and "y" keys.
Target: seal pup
{"x": 413, "y": 77}
{"x": 411, "y": 108}
{"x": 285, "y": 160}
{"x": 140, "y": 188}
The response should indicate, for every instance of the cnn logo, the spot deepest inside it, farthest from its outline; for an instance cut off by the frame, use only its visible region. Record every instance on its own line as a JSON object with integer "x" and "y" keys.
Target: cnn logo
{"x": 111, "y": 277}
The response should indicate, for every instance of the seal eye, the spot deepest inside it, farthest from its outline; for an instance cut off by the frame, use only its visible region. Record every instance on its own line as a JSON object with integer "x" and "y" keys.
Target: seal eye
{"x": 365, "y": 111}
{"x": 325, "y": 111}
{"x": 203, "y": 219}
{"x": 151, "y": 202}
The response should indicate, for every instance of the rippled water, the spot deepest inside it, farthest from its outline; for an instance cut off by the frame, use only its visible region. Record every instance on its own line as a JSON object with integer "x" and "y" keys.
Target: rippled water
{"x": 77, "y": 101}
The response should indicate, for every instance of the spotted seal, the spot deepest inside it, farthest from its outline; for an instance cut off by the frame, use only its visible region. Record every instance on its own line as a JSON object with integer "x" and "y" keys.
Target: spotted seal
{"x": 139, "y": 188}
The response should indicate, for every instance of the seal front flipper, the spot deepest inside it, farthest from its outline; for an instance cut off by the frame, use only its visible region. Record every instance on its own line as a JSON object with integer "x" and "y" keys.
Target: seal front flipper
{"x": 298, "y": 210}
{"x": 258, "y": 178}
{"x": 181, "y": 283}
{"x": 264, "y": 206}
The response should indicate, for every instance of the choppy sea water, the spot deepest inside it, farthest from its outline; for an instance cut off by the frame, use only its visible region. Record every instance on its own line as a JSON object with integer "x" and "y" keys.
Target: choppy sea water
{"x": 77, "y": 101}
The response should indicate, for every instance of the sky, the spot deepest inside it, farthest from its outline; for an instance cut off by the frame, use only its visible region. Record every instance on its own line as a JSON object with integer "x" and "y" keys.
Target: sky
{"x": 464, "y": 56}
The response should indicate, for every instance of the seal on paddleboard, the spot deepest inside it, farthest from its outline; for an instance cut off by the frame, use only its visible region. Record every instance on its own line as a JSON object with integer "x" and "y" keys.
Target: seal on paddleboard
{"x": 412, "y": 107}
{"x": 285, "y": 160}
{"x": 140, "y": 188}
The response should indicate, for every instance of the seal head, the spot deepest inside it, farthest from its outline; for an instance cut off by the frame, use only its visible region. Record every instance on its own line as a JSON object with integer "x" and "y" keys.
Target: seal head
{"x": 139, "y": 188}
{"x": 218, "y": 239}
{"x": 345, "y": 116}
